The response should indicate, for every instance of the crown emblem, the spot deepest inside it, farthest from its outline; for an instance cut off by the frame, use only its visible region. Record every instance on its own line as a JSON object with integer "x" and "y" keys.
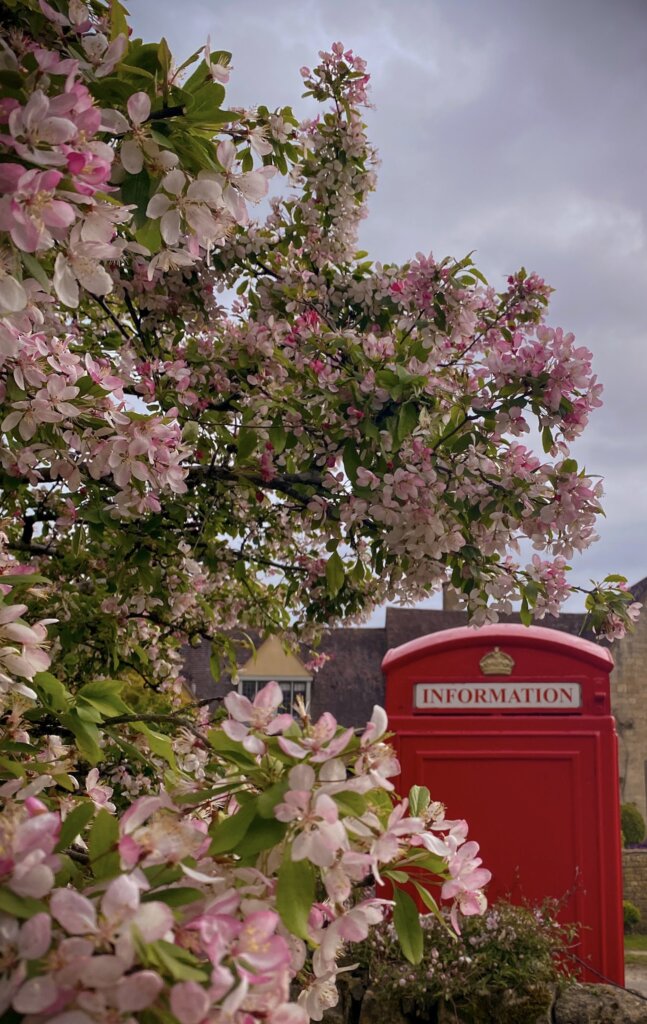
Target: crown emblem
{"x": 496, "y": 663}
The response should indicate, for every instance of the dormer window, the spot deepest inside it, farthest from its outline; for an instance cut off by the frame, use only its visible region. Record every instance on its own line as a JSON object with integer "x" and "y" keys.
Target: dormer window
{"x": 272, "y": 663}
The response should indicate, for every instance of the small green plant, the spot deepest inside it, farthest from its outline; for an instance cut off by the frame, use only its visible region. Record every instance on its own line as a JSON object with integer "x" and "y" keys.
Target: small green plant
{"x": 502, "y": 969}
{"x": 632, "y": 824}
{"x": 631, "y": 914}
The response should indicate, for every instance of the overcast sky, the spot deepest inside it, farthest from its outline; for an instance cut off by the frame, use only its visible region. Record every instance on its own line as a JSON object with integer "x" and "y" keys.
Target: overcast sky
{"x": 517, "y": 128}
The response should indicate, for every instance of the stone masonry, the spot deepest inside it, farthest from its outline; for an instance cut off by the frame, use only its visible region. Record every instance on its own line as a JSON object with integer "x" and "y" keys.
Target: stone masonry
{"x": 634, "y": 870}
{"x": 629, "y": 700}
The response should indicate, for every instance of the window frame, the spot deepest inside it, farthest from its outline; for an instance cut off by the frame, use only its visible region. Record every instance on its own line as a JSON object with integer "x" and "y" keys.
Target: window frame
{"x": 304, "y": 683}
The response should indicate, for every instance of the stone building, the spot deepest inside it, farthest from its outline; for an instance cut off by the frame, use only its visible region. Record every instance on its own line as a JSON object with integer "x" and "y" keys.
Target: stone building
{"x": 351, "y": 682}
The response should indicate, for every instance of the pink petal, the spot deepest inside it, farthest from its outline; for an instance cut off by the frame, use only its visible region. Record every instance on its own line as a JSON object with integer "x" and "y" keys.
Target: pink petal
{"x": 291, "y": 748}
{"x": 239, "y": 707}
{"x": 189, "y": 1002}
{"x": 137, "y": 991}
{"x": 58, "y": 214}
{"x": 73, "y": 912}
{"x": 121, "y": 898}
{"x": 158, "y": 205}
{"x": 234, "y": 730}
{"x": 139, "y": 107}
{"x": 226, "y": 153}
{"x": 153, "y": 921}
{"x": 35, "y": 937}
{"x": 102, "y": 971}
{"x": 10, "y": 175}
{"x": 270, "y": 697}
{"x": 138, "y": 812}
{"x": 288, "y": 1013}
{"x": 35, "y": 995}
{"x": 131, "y": 156}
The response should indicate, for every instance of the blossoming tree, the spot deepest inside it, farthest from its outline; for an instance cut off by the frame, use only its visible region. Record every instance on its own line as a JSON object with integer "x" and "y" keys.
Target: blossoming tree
{"x": 212, "y": 422}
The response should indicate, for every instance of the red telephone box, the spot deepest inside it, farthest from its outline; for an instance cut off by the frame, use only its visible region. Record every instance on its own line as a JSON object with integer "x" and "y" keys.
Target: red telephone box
{"x": 511, "y": 727}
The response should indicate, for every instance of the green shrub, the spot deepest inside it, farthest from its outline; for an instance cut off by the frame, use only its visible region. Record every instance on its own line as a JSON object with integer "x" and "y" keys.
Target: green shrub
{"x": 502, "y": 969}
{"x": 632, "y": 823}
{"x": 632, "y": 915}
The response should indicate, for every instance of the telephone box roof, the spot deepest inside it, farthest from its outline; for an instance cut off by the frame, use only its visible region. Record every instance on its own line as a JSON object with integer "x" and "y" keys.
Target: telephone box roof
{"x": 508, "y": 634}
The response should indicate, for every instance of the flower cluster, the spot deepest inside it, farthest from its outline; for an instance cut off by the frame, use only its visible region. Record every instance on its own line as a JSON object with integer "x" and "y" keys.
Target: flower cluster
{"x": 503, "y": 966}
{"x": 221, "y": 907}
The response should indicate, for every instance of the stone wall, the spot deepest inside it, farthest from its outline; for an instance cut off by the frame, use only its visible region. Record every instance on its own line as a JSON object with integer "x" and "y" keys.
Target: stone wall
{"x": 573, "y": 1004}
{"x": 634, "y": 869}
{"x": 628, "y": 693}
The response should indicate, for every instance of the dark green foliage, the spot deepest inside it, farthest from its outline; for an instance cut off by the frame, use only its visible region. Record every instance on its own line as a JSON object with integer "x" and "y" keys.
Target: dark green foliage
{"x": 631, "y": 914}
{"x": 632, "y": 824}
{"x": 502, "y": 969}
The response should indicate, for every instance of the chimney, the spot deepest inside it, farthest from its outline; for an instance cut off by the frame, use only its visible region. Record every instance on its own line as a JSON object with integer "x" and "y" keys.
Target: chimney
{"x": 450, "y": 599}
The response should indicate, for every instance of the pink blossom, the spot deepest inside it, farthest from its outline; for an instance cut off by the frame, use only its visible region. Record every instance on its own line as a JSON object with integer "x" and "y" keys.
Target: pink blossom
{"x": 322, "y": 835}
{"x": 132, "y": 151}
{"x": 98, "y": 793}
{"x": 30, "y": 212}
{"x": 251, "y": 186}
{"x": 257, "y": 951}
{"x": 321, "y": 741}
{"x": 259, "y": 715}
{"x": 35, "y": 131}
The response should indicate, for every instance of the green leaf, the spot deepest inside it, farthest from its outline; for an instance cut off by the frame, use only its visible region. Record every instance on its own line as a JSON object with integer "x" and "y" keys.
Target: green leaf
{"x": 102, "y": 846}
{"x": 350, "y": 804}
{"x": 334, "y": 574}
{"x": 118, "y": 20}
{"x": 159, "y": 743}
{"x": 214, "y": 665}
{"x": 177, "y": 897}
{"x": 27, "y": 579}
{"x": 272, "y": 796}
{"x": 352, "y": 461}
{"x": 419, "y": 799}
{"x": 150, "y": 235}
{"x": 295, "y": 893}
{"x": 227, "y": 834}
{"x": 407, "y": 925}
{"x": 278, "y": 436}
{"x": 86, "y": 734}
{"x": 263, "y": 834}
{"x": 524, "y": 613}
{"x": 430, "y": 903}
{"x": 546, "y": 439}
{"x": 246, "y": 443}
{"x": 136, "y": 188}
{"x": 51, "y": 692}
{"x": 230, "y": 750}
{"x": 103, "y": 694}
{"x": 395, "y": 876}
{"x": 20, "y": 906}
{"x": 568, "y": 466}
{"x": 75, "y": 823}
{"x": 36, "y": 270}
{"x": 173, "y": 960}
{"x": 407, "y": 420}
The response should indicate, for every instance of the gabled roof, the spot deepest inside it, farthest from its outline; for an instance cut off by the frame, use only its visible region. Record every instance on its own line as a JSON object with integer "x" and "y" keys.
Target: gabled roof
{"x": 405, "y": 624}
{"x": 639, "y": 590}
{"x": 272, "y": 661}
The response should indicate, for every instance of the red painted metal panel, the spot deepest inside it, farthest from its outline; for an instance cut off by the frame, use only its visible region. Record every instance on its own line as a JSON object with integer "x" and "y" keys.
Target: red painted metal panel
{"x": 538, "y": 786}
